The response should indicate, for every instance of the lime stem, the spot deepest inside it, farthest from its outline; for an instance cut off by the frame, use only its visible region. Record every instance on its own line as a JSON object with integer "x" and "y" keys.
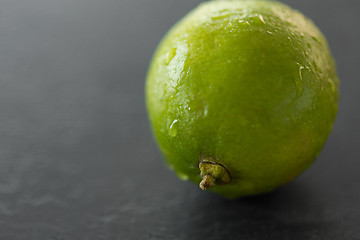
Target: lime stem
{"x": 207, "y": 182}
{"x": 213, "y": 173}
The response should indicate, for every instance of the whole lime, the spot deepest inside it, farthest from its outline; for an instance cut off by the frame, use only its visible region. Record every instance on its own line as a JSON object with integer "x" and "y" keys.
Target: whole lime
{"x": 242, "y": 95}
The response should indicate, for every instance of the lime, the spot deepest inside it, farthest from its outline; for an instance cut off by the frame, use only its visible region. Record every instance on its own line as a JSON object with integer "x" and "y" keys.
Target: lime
{"x": 242, "y": 95}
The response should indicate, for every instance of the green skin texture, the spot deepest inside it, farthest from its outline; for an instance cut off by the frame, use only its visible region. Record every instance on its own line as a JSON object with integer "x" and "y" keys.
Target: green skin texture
{"x": 251, "y": 85}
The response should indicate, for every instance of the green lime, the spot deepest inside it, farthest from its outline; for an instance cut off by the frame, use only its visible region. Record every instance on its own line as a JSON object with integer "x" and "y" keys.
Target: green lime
{"x": 242, "y": 96}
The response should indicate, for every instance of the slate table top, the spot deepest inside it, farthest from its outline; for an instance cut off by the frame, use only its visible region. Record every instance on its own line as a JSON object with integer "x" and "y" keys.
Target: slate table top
{"x": 77, "y": 159}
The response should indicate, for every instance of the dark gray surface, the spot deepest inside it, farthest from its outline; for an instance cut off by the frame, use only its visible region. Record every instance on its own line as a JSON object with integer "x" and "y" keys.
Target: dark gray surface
{"x": 77, "y": 160}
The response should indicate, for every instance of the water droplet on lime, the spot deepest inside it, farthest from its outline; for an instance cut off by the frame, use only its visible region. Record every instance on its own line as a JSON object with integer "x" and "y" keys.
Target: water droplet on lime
{"x": 173, "y": 128}
{"x": 170, "y": 55}
{"x": 183, "y": 176}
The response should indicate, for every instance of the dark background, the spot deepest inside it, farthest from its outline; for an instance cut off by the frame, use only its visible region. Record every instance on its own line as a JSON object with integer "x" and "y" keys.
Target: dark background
{"x": 77, "y": 159}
